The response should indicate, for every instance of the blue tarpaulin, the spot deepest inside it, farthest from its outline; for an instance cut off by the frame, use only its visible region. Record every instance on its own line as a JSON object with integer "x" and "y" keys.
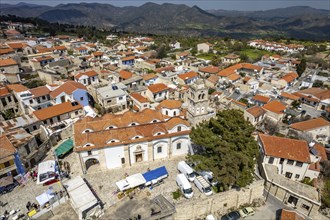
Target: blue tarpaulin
{"x": 155, "y": 174}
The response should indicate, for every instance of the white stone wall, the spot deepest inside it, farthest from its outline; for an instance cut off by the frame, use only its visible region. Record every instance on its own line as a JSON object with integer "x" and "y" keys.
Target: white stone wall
{"x": 113, "y": 156}
{"x": 185, "y": 141}
{"x": 164, "y": 146}
{"x": 133, "y": 147}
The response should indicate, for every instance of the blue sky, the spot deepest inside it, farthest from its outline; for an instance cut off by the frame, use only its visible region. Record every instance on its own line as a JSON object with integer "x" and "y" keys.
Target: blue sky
{"x": 241, "y": 5}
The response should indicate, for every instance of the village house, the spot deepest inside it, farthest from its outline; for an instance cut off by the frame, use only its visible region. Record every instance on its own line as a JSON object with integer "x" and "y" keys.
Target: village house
{"x": 317, "y": 128}
{"x": 254, "y": 114}
{"x": 80, "y": 50}
{"x": 112, "y": 98}
{"x": 124, "y": 75}
{"x": 62, "y": 50}
{"x": 230, "y": 59}
{"x": 286, "y": 81}
{"x": 175, "y": 45}
{"x": 212, "y": 81}
{"x": 284, "y": 163}
{"x": 139, "y": 102}
{"x": 87, "y": 78}
{"x": 316, "y": 97}
{"x": 8, "y": 102}
{"x": 28, "y": 122}
{"x": 182, "y": 55}
{"x": 38, "y": 62}
{"x": 6, "y": 52}
{"x": 187, "y": 78}
{"x": 171, "y": 108}
{"x": 71, "y": 91}
{"x": 260, "y": 100}
{"x": 134, "y": 84}
{"x": 9, "y": 65}
{"x": 21, "y": 48}
{"x": 97, "y": 55}
{"x": 114, "y": 141}
{"x": 60, "y": 112}
{"x": 22, "y": 95}
{"x": 288, "y": 98}
{"x": 275, "y": 110}
{"x": 157, "y": 92}
{"x": 208, "y": 70}
{"x": 241, "y": 68}
{"x": 204, "y": 47}
{"x": 149, "y": 79}
{"x": 40, "y": 98}
{"x": 127, "y": 61}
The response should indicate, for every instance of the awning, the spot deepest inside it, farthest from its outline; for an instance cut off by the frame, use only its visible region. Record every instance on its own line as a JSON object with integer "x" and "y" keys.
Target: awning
{"x": 135, "y": 180}
{"x": 5, "y": 181}
{"x": 64, "y": 148}
{"x": 45, "y": 197}
{"x": 156, "y": 174}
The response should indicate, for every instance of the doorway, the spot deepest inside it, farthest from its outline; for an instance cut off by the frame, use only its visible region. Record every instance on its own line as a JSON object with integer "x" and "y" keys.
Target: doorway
{"x": 138, "y": 157}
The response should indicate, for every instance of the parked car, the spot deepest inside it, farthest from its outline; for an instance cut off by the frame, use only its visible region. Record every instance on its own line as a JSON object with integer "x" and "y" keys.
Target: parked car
{"x": 203, "y": 185}
{"x": 184, "y": 168}
{"x": 184, "y": 185}
{"x": 231, "y": 216}
{"x": 247, "y": 211}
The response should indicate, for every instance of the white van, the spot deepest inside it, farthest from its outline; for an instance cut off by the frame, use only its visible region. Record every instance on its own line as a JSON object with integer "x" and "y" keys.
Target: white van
{"x": 203, "y": 185}
{"x": 186, "y": 170}
{"x": 184, "y": 185}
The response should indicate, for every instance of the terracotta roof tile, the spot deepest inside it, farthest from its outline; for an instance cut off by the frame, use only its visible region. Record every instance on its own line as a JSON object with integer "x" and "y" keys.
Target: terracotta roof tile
{"x": 6, "y": 148}
{"x": 40, "y": 91}
{"x": 60, "y": 47}
{"x": 39, "y": 59}
{"x": 56, "y": 110}
{"x": 125, "y": 74}
{"x": 261, "y": 98}
{"x": 290, "y": 215}
{"x": 310, "y": 124}
{"x": 4, "y": 91}
{"x": 188, "y": 75}
{"x": 166, "y": 68}
{"x": 139, "y": 97}
{"x": 128, "y": 58}
{"x": 80, "y": 48}
{"x": 170, "y": 104}
{"x": 7, "y": 62}
{"x": 209, "y": 69}
{"x": 88, "y": 73}
{"x": 290, "y": 77}
{"x": 232, "y": 69}
{"x": 256, "y": 111}
{"x": 17, "y": 87}
{"x": 68, "y": 87}
{"x": 289, "y": 96}
{"x": 275, "y": 106}
{"x": 17, "y": 45}
{"x": 213, "y": 79}
{"x": 233, "y": 77}
{"x": 321, "y": 151}
{"x": 158, "y": 87}
{"x": 149, "y": 76}
{"x": 319, "y": 93}
{"x": 6, "y": 50}
{"x": 285, "y": 148}
{"x": 98, "y": 53}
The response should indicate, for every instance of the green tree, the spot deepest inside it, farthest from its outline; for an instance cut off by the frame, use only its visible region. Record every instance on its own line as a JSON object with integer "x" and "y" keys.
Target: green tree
{"x": 301, "y": 67}
{"x": 243, "y": 57}
{"x": 8, "y": 115}
{"x": 161, "y": 52}
{"x": 226, "y": 147}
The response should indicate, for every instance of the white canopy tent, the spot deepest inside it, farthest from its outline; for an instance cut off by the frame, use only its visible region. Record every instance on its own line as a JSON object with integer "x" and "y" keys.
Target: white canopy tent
{"x": 83, "y": 200}
{"x": 131, "y": 182}
{"x": 45, "y": 197}
{"x": 46, "y": 171}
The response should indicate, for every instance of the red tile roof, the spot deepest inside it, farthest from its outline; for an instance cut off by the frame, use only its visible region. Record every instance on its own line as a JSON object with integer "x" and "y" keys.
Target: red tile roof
{"x": 289, "y": 96}
{"x": 40, "y": 91}
{"x": 230, "y": 70}
{"x": 125, "y": 74}
{"x": 261, "y": 98}
{"x": 98, "y": 53}
{"x": 60, "y": 47}
{"x": 68, "y": 87}
{"x": 166, "y": 68}
{"x": 256, "y": 111}
{"x": 285, "y": 148}
{"x": 128, "y": 58}
{"x": 149, "y": 76}
{"x": 290, "y": 77}
{"x": 4, "y": 91}
{"x": 56, "y": 110}
{"x": 39, "y": 59}
{"x": 310, "y": 124}
{"x": 6, "y": 50}
{"x": 188, "y": 75}
{"x": 275, "y": 106}
{"x": 7, "y": 62}
{"x": 319, "y": 93}
{"x": 158, "y": 87}
{"x": 88, "y": 73}
{"x": 6, "y": 148}
{"x": 139, "y": 97}
{"x": 290, "y": 215}
{"x": 321, "y": 151}
{"x": 209, "y": 69}
{"x": 233, "y": 77}
{"x": 80, "y": 48}
{"x": 17, "y": 87}
{"x": 170, "y": 104}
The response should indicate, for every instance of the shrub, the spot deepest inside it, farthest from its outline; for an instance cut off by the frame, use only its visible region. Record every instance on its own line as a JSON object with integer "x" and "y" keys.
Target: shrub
{"x": 176, "y": 194}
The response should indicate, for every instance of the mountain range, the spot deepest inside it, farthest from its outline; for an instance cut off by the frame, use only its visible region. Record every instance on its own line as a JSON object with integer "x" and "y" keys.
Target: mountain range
{"x": 297, "y": 22}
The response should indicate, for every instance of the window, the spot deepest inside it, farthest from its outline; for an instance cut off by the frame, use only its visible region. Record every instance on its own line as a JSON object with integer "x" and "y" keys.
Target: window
{"x": 290, "y": 162}
{"x": 34, "y": 127}
{"x": 9, "y": 99}
{"x": 81, "y": 98}
{"x": 297, "y": 176}
{"x": 271, "y": 160}
{"x": 27, "y": 149}
{"x": 174, "y": 113}
{"x": 76, "y": 112}
{"x": 159, "y": 149}
{"x": 120, "y": 98}
{"x": 179, "y": 128}
{"x": 109, "y": 101}
{"x": 122, "y": 160}
{"x": 89, "y": 153}
{"x": 3, "y": 100}
{"x": 7, "y": 164}
{"x": 154, "y": 121}
{"x": 51, "y": 121}
{"x": 282, "y": 160}
{"x": 31, "y": 101}
{"x": 288, "y": 175}
{"x": 58, "y": 118}
{"x": 178, "y": 146}
{"x": 305, "y": 207}
{"x": 166, "y": 113}
{"x": 133, "y": 124}
{"x": 299, "y": 164}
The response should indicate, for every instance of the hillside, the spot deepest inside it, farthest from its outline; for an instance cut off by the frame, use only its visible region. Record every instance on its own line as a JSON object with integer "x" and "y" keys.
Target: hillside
{"x": 298, "y": 22}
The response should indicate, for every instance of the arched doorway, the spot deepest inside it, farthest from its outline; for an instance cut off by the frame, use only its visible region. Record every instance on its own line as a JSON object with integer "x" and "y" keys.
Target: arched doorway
{"x": 91, "y": 162}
